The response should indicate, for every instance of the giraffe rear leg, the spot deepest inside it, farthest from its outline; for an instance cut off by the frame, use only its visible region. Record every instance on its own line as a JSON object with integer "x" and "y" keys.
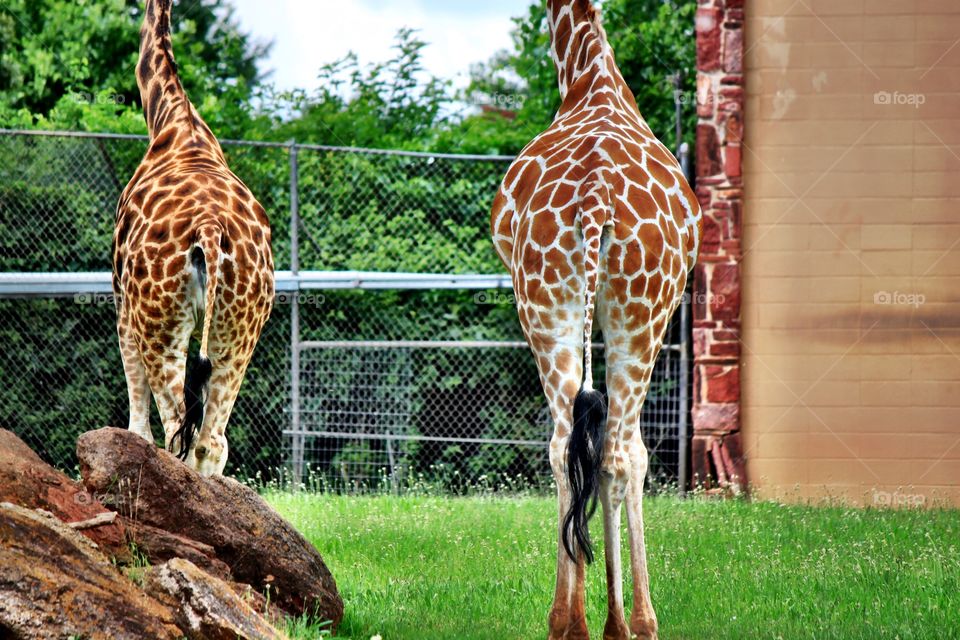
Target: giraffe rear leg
{"x": 560, "y": 371}
{"x": 613, "y": 487}
{"x": 138, "y": 389}
{"x": 166, "y": 380}
{"x": 209, "y": 456}
{"x": 165, "y": 359}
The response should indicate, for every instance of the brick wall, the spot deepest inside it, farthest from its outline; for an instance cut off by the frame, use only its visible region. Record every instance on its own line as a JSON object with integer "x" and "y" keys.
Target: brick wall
{"x": 850, "y": 370}
{"x": 716, "y": 447}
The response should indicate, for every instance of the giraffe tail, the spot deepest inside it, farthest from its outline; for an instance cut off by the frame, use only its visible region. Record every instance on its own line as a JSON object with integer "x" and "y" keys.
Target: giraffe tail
{"x": 205, "y": 258}
{"x": 584, "y": 457}
{"x": 585, "y": 446}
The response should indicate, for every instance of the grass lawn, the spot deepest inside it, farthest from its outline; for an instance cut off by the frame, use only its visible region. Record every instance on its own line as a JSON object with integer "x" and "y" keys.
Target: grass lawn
{"x": 422, "y": 568}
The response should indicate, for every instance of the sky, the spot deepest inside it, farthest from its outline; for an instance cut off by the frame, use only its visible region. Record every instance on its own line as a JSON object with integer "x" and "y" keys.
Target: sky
{"x": 309, "y": 33}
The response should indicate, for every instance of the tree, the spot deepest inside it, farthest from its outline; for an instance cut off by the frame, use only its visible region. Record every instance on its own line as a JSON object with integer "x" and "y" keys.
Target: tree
{"x": 393, "y": 104}
{"x": 652, "y": 40}
{"x": 67, "y": 64}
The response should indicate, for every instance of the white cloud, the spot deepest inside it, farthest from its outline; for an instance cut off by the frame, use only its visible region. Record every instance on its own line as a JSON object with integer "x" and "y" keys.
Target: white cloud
{"x": 309, "y": 33}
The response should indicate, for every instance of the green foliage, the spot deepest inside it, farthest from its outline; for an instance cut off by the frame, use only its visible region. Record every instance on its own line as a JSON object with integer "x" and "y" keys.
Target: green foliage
{"x": 653, "y": 40}
{"x": 651, "y": 51}
{"x": 69, "y": 64}
{"x": 89, "y": 82}
{"x": 60, "y": 377}
{"x": 393, "y": 104}
{"x": 397, "y": 213}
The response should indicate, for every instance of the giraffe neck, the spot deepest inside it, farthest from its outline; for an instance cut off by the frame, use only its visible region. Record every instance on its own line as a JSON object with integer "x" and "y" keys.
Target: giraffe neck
{"x": 161, "y": 93}
{"x": 165, "y": 104}
{"x": 578, "y": 42}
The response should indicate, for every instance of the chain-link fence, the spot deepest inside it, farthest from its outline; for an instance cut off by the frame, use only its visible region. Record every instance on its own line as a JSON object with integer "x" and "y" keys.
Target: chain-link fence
{"x": 373, "y": 370}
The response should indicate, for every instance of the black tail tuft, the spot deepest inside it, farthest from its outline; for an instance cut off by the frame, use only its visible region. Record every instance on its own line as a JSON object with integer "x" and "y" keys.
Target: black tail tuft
{"x": 584, "y": 457}
{"x": 197, "y": 378}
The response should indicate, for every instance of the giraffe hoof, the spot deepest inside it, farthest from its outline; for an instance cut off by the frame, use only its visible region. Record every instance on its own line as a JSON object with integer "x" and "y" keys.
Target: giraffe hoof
{"x": 616, "y": 630}
{"x": 567, "y": 630}
{"x": 644, "y": 632}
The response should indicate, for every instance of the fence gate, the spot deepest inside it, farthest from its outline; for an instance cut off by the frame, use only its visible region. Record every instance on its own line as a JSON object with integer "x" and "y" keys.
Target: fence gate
{"x": 394, "y": 412}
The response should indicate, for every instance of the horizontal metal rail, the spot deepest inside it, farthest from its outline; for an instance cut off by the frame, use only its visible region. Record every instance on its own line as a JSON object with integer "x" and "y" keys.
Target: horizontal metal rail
{"x": 16, "y": 284}
{"x": 395, "y": 436}
{"x": 267, "y": 143}
{"x": 430, "y": 344}
{"x": 411, "y": 344}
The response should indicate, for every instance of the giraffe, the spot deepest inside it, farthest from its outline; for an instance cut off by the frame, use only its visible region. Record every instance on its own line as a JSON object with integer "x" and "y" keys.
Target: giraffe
{"x": 191, "y": 247}
{"x": 595, "y": 221}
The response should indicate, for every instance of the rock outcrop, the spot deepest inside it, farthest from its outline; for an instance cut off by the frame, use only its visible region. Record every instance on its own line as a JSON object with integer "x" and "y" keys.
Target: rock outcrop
{"x": 28, "y": 481}
{"x": 149, "y": 549}
{"x": 152, "y": 487}
{"x": 55, "y": 583}
{"x": 157, "y": 546}
{"x": 206, "y": 607}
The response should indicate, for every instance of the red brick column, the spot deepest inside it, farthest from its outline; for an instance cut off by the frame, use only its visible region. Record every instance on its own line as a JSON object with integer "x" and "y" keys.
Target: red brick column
{"x": 716, "y": 448}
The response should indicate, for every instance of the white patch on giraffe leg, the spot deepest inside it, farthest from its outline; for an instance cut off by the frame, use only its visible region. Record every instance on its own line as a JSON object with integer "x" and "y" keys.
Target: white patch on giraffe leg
{"x": 643, "y": 619}
{"x": 612, "y": 491}
{"x": 138, "y": 390}
{"x": 564, "y": 602}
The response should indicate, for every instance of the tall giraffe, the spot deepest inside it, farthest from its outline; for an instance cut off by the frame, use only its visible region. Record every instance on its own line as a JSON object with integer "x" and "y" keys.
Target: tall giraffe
{"x": 190, "y": 242}
{"x": 595, "y": 219}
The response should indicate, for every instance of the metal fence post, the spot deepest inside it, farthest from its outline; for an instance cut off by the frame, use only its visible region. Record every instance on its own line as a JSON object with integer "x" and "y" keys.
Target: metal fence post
{"x": 298, "y": 439}
{"x": 684, "y": 417}
{"x": 685, "y": 161}
{"x": 678, "y": 101}
{"x": 683, "y": 428}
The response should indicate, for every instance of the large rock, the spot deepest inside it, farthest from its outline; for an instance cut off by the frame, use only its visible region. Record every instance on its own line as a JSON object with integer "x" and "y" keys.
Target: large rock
{"x": 207, "y": 607}
{"x": 159, "y": 546}
{"x": 28, "y": 481}
{"x": 259, "y": 546}
{"x": 55, "y": 583}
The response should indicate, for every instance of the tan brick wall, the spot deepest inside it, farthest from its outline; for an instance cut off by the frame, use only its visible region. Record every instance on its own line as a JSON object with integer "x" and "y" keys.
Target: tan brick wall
{"x": 851, "y": 270}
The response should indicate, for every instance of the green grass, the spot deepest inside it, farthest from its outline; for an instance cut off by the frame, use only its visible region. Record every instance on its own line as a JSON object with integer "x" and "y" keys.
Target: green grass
{"x": 424, "y": 568}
